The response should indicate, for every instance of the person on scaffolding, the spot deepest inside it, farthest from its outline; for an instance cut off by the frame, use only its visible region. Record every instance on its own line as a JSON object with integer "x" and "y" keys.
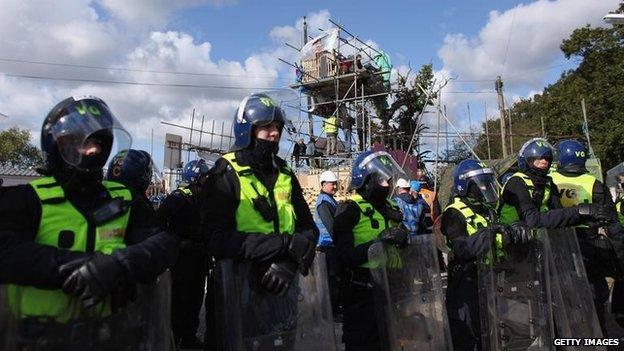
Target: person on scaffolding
{"x": 330, "y": 127}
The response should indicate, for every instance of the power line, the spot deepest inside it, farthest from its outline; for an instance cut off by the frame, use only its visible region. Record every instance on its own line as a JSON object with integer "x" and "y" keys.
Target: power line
{"x": 126, "y": 69}
{"x": 513, "y": 20}
{"x": 173, "y": 85}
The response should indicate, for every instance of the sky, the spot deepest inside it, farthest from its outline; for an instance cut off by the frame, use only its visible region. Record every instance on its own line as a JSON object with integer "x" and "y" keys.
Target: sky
{"x": 227, "y": 49}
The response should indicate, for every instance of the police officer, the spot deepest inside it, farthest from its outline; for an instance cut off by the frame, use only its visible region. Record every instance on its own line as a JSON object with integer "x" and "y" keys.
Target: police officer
{"x": 134, "y": 169}
{"x": 364, "y": 219}
{"x": 531, "y": 196}
{"x": 577, "y": 186}
{"x": 469, "y": 225}
{"x": 180, "y": 213}
{"x": 72, "y": 246}
{"x": 255, "y": 205}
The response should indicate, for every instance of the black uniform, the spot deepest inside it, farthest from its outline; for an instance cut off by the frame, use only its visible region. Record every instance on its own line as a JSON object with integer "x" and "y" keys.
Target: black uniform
{"x": 462, "y": 300}
{"x": 360, "y": 330}
{"x": 179, "y": 213}
{"x": 150, "y": 249}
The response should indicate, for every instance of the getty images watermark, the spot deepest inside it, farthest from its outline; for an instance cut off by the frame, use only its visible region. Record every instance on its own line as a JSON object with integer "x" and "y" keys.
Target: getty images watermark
{"x": 586, "y": 342}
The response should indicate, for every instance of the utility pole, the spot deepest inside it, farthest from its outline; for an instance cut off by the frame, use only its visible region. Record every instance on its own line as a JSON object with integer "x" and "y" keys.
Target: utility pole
{"x": 501, "y": 108}
{"x": 304, "y": 40}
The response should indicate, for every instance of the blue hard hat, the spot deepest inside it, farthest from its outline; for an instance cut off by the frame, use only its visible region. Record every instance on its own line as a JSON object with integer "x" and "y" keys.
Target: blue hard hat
{"x": 193, "y": 170}
{"x": 415, "y": 185}
{"x": 374, "y": 162}
{"x": 133, "y": 168}
{"x": 571, "y": 156}
{"x": 534, "y": 149}
{"x": 473, "y": 172}
{"x": 255, "y": 110}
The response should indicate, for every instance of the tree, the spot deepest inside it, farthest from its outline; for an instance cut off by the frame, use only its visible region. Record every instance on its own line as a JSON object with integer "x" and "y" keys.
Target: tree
{"x": 599, "y": 79}
{"x": 409, "y": 102}
{"x": 16, "y": 150}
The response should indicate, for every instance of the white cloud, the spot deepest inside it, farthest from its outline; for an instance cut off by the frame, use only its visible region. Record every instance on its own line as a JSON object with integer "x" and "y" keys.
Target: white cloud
{"x": 40, "y": 32}
{"x": 538, "y": 29}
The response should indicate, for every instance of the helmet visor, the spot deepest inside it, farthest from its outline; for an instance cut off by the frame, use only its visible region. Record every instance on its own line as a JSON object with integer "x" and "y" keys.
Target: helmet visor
{"x": 87, "y": 135}
{"x": 482, "y": 185}
{"x": 385, "y": 169}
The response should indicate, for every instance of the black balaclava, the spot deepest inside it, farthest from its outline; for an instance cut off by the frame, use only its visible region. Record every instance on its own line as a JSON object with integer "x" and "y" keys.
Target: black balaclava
{"x": 539, "y": 176}
{"x": 373, "y": 192}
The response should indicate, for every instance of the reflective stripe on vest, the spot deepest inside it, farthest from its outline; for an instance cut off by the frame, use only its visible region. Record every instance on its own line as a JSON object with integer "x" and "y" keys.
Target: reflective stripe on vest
{"x": 60, "y": 217}
{"x": 370, "y": 225}
{"x": 325, "y": 238}
{"x": 508, "y": 213}
{"x": 248, "y": 219}
{"x": 574, "y": 190}
{"x": 474, "y": 222}
{"x": 186, "y": 191}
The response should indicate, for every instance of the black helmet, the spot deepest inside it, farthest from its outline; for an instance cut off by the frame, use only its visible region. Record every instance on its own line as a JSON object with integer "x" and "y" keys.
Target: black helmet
{"x": 73, "y": 124}
{"x": 134, "y": 168}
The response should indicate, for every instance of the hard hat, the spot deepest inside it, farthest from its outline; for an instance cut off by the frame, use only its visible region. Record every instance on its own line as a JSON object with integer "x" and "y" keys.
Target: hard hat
{"x": 402, "y": 183}
{"x": 328, "y": 176}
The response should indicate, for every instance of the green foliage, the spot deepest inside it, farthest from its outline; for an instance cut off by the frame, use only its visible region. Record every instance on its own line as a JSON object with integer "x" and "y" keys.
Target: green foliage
{"x": 409, "y": 102}
{"x": 599, "y": 79}
{"x": 16, "y": 150}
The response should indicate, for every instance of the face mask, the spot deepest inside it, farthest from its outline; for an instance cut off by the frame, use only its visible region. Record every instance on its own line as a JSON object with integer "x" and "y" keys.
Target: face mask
{"x": 266, "y": 149}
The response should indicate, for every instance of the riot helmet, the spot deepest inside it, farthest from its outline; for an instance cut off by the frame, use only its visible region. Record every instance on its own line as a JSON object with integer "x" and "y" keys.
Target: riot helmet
{"x": 571, "y": 156}
{"x": 476, "y": 182}
{"x": 79, "y": 134}
{"x": 193, "y": 170}
{"x": 535, "y": 149}
{"x": 374, "y": 173}
{"x": 255, "y": 110}
{"x": 133, "y": 168}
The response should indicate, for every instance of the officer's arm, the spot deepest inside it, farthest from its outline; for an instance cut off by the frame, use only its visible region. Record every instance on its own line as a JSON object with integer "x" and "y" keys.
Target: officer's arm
{"x": 325, "y": 213}
{"x": 465, "y": 247}
{"x": 516, "y": 194}
{"x": 220, "y": 207}
{"x": 601, "y": 195}
{"x": 349, "y": 255}
{"x": 23, "y": 261}
{"x": 150, "y": 249}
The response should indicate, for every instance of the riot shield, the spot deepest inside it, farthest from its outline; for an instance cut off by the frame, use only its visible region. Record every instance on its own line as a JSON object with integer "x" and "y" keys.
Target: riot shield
{"x": 515, "y": 298}
{"x": 409, "y": 300}
{"x": 613, "y": 180}
{"x": 248, "y": 318}
{"x": 8, "y": 326}
{"x": 573, "y": 306}
{"x": 133, "y": 318}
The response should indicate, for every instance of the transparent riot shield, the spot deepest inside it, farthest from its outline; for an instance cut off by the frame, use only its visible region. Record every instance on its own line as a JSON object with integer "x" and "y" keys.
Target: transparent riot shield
{"x": 409, "y": 300}
{"x": 156, "y": 307}
{"x": 515, "y": 298}
{"x": 8, "y": 325}
{"x": 613, "y": 180}
{"x": 573, "y": 306}
{"x": 133, "y": 318}
{"x": 248, "y": 318}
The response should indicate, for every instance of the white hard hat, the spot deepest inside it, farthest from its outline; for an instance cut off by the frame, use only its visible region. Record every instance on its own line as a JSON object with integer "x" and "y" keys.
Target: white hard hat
{"x": 402, "y": 183}
{"x": 328, "y": 176}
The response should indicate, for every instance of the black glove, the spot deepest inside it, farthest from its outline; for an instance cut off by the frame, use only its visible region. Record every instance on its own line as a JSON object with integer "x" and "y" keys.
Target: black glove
{"x": 92, "y": 279}
{"x": 278, "y": 277}
{"x": 301, "y": 249}
{"x": 595, "y": 213}
{"x": 516, "y": 233}
{"x": 396, "y": 236}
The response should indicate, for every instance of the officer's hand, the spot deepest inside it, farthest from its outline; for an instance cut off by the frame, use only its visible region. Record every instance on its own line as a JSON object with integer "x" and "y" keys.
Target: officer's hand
{"x": 94, "y": 279}
{"x": 302, "y": 250}
{"x": 595, "y": 213}
{"x": 278, "y": 277}
{"x": 396, "y": 236}
{"x": 519, "y": 233}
